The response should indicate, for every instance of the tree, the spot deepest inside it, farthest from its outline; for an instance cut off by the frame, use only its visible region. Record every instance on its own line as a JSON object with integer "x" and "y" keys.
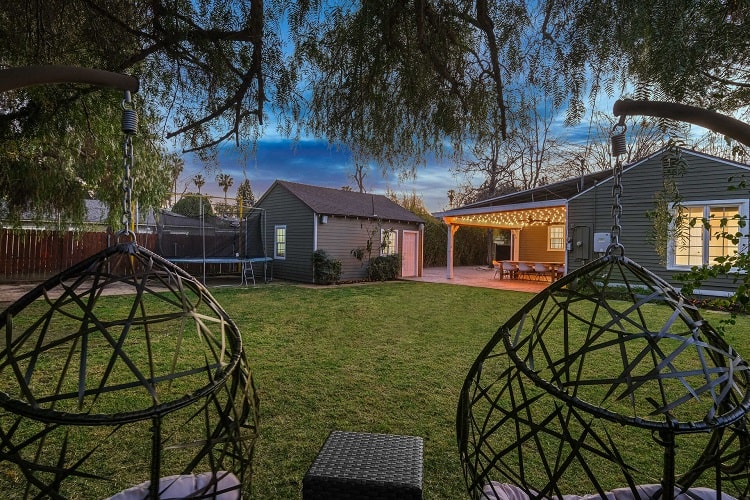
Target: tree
{"x": 393, "y": 81}
{"x": 224, "y": 181}
{"x": 177, "y": 165}
{"x": 199, "y": 181}
{"x": 245, "y": 195}
{"x": 359, "y": 174}
{"x": 192, "y": 205}
{"x": 200, "y": 64}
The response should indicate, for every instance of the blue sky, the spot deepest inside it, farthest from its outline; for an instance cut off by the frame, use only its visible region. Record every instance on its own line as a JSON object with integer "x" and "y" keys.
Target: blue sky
{"x": 313, "y": 162}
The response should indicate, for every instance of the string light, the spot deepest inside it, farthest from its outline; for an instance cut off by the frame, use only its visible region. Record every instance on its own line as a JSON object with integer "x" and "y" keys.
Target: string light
{"x": 514, "y": 218}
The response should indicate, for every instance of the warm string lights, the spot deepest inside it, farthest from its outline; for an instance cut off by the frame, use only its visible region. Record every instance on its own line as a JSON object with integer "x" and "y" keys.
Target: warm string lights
{"x": 514, "y": 218}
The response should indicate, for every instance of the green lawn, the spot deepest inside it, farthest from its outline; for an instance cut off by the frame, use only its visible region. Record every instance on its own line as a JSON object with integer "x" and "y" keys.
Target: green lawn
{"x": 386, "y": 358}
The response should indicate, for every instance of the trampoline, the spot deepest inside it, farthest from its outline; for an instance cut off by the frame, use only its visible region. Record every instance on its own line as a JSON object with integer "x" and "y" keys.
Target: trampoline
{"x": 246, "y": 264}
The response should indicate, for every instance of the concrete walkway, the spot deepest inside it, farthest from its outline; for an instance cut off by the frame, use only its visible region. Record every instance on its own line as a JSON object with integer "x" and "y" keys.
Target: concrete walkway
{"x": 479, "y": 276}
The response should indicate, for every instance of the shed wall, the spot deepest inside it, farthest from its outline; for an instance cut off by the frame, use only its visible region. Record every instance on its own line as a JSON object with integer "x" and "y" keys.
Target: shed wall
{"x": 341, "y": 235}
{"x": 282, "y": 208}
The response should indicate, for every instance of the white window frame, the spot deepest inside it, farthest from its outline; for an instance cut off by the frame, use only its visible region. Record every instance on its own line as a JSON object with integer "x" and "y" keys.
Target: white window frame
{"x": 550, "y": 238}
{"x": 276, "y": 243}
{"x": 673, "y": 243}
{"x": 392, "y": 247}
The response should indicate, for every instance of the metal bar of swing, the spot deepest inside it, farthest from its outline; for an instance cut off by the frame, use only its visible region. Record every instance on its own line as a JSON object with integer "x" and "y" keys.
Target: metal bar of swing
{"x": 711, "y": 120}
{"x": 16, "y": 78}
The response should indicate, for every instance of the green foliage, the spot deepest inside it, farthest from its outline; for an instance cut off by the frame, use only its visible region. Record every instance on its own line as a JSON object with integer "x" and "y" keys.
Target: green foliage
{"x": 393, "y": 81}
{"x": 384, "y": 267}
{"x": 666, "y": 217}
{"x": 327, "y": 270}
{"x": 435, "y": 242}
{"x": 245, "y": 195}
{"x": 190, "y": 205}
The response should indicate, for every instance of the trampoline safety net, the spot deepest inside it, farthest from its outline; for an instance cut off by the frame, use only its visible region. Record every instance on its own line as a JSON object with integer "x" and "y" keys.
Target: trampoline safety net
{"x": 180, "y": 236}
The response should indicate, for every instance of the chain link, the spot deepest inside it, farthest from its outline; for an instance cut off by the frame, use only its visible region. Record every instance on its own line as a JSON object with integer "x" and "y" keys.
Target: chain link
{"x": 618, "y": 148}
{"x": 129, "y": 123}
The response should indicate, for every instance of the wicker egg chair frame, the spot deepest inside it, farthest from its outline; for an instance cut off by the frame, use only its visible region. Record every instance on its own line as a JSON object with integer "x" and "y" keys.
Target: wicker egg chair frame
{"x": 99, "y": 395}
{"x": 609, "y": 379}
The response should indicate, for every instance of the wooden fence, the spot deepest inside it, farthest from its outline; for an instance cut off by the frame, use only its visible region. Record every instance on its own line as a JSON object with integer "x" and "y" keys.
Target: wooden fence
{"x": 37, "y": 254}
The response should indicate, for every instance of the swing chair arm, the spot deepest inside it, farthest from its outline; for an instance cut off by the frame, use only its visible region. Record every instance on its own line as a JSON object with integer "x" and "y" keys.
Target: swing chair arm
{"x": 711, "y": 120}
{"x": 16, "y": 78}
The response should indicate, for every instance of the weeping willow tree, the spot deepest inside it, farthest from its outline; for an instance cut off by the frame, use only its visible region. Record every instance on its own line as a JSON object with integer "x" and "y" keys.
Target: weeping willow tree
{"x": 397, "y": 78}
{"x": 202, "y": 66}
{"x": 393, "y": 80}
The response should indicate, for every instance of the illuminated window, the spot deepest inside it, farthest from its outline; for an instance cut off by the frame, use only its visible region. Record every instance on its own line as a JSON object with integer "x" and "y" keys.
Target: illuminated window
{"x": 388, "y": 242}
{"x": 696, "y": 243}
{"x": 279, "y": 242}
{"x": 556, "y": 238}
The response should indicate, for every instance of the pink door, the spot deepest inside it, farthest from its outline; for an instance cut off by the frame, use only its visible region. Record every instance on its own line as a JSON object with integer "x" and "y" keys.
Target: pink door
{"x": 409, "y": 254}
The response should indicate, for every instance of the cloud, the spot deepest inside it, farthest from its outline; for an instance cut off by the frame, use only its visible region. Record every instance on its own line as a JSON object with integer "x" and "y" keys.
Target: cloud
{"x": 312, "y": 162}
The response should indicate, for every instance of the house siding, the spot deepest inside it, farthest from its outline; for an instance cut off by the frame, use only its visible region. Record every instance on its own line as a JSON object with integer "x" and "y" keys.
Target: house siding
{"x": 532, "y": 246}
{"x": 282, "y": 208}
{"x": 705, "y": 179}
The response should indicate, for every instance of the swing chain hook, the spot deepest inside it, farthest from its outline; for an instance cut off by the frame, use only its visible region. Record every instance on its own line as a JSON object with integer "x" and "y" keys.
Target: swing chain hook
{"x": 618, "y": 148}
{"x": 129, "y": 128}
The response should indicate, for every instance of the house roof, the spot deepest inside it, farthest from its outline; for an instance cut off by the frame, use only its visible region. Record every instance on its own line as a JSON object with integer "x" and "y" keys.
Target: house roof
{"x": 558, "y": 191}
{"x": 564, "y": 190}
{"x": 329, "y": 201}
{"x": 540, "y": 203}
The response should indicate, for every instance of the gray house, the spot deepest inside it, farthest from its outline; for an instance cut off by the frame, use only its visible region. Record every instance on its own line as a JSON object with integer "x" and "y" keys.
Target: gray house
{"x": 301, "y": 218}
{"x": 571, "y": 221}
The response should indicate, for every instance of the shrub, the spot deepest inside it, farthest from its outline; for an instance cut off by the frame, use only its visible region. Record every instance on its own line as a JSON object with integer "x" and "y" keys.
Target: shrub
{"x": 190, "y": 206}
{"x": 384, "y": 268}
{"x": 327, "y": 269}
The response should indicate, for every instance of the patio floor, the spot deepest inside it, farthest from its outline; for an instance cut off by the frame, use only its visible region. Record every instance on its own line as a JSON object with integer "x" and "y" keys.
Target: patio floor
{"x": 479, "y": 276}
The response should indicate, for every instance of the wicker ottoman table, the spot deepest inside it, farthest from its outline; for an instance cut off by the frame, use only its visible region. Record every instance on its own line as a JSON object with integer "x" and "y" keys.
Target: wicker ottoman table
{"x": 366, "y": 466}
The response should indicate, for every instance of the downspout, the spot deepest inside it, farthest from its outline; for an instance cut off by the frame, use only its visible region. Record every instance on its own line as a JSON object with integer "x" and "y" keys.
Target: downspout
{"x": 315, "y": 243}
{"x": 316, "y": 218}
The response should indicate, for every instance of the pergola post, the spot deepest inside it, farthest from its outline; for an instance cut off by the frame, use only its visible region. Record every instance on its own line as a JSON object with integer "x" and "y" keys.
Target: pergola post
{"x": 452, "y": 228}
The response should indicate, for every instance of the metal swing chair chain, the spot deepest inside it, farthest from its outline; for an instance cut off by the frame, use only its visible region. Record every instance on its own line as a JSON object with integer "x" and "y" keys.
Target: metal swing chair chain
{"x": 129, "y": 128}
{"x": 619, "y": 147}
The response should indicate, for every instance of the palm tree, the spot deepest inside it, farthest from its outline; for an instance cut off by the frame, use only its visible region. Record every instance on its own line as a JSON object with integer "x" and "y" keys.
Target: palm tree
{"x": 225, "y": 181}
{"x": 199, "y": 181}
{"x": 177, "y": 165}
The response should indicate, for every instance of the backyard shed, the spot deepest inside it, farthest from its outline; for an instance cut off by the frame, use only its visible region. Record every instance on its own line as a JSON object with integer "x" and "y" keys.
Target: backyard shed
{"x": 301, "y": 218}
{"x": 572, "y": 219}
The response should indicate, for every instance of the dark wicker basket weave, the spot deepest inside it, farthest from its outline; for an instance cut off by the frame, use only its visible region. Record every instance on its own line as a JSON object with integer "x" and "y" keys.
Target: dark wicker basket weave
{"x": 606, "y": 379}
{"x": 94, "y": 401}
{"x": 356, "y": 465}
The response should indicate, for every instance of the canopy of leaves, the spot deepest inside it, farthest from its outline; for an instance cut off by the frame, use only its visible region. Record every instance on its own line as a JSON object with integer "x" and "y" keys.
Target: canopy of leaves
{"x": 193, "y": 205}
{"x": 245, "y": 195}
{"x": 199, "y": 62}
{"x": 392, "y": 80}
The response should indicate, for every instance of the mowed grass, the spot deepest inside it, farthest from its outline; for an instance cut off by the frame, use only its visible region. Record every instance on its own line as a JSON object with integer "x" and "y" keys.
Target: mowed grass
{"x": 386, "y": 358}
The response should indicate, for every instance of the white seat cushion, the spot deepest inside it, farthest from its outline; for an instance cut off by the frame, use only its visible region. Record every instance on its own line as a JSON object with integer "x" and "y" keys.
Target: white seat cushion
{"x": 503, "y": 491}
{"x": 187, "y": 486}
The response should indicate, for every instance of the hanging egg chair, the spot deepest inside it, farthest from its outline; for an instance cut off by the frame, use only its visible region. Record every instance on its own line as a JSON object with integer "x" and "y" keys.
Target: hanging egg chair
{"x": 147, "y": 394}
{"x": 607, "y": 383}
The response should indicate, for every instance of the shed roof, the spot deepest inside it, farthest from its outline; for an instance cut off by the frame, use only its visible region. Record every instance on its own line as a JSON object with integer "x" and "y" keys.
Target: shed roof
{"x": 329, "y": 201}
